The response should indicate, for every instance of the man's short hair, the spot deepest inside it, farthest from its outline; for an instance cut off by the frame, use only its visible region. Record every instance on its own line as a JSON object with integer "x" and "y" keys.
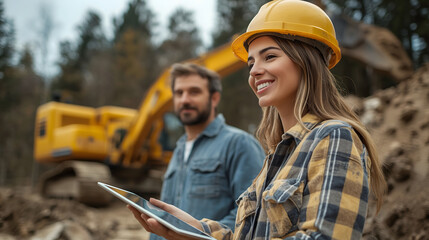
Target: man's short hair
{"x": 186, "y": 69}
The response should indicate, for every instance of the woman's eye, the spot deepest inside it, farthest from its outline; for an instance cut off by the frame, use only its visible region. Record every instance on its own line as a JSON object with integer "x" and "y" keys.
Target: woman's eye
{"x": 250, "y": 66}
{"x": 268, "y": 57}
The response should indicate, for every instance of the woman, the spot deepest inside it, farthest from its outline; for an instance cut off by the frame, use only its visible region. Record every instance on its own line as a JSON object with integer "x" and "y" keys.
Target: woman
{"x": 321, "y": 161}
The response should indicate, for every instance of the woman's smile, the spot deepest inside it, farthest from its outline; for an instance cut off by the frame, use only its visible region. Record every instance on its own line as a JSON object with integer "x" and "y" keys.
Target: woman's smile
{"x": 262, "y": 85}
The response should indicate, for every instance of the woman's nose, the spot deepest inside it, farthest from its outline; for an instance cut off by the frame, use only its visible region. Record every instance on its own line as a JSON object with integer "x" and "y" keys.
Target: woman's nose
{"x": 256, "y": 70}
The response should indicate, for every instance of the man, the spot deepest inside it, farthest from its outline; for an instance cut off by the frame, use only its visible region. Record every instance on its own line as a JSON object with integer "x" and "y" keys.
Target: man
{"x": 213, "y": 163}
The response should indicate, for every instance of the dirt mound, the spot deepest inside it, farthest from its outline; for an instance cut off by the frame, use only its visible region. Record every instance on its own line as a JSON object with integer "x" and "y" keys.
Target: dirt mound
{"x": 28, "y": 216}
{"x": 398, "y": 119}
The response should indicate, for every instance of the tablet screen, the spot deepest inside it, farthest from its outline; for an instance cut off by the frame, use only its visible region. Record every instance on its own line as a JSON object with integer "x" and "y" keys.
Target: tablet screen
{"x": 143, "y": 203}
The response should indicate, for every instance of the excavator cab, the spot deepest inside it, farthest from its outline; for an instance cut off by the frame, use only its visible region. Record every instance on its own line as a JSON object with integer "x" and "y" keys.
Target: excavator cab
{"x": 66, "y": 132}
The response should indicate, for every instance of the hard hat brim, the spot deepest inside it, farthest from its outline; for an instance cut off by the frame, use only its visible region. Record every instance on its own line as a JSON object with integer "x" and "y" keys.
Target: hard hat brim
{"x": 240, "y": 51}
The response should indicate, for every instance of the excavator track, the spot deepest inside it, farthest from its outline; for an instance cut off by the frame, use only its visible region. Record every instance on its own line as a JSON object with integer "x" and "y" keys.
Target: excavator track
{"x": 77, "y": 180}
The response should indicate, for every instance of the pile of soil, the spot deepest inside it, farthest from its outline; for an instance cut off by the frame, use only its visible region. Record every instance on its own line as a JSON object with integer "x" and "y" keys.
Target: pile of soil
{"x": 25, "y": 215}
{"x": 398, "y": 119}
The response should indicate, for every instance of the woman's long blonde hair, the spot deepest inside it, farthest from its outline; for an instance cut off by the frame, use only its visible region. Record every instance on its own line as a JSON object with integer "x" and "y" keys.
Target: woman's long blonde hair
{"x": 317, "y": 94}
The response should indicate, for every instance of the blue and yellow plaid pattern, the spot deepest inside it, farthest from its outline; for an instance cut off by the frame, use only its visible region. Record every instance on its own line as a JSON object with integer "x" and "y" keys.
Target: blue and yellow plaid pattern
{"x": 314, "y": 186}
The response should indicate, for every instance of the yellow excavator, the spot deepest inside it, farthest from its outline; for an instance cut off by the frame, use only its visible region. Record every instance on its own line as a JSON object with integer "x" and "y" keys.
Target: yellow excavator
{"x": 126, "y": 147}
{"x": 112, "y": 144}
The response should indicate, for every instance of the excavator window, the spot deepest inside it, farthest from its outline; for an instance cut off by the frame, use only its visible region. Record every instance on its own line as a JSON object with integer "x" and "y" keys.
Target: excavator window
{"x": 42, "y": 128}
{"x": 171, "y": 132}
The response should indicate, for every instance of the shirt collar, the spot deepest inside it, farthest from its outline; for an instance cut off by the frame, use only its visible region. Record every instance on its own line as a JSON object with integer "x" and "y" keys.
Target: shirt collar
{"x": 210, "y": 131}
{"x": 298, "y": 131}
{"x": 214, "y": 127}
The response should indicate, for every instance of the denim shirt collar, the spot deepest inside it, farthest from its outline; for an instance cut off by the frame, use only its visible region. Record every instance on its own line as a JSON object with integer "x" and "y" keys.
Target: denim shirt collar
{"x": 211, "y": 130}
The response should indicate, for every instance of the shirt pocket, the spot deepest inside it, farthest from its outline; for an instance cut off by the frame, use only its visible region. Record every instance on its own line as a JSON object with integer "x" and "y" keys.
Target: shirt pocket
{"x": 169, "y": 185}
{"x": 246, "y": 210}
{"x": 283, "y": 202}
{"x": 206, "y": 179}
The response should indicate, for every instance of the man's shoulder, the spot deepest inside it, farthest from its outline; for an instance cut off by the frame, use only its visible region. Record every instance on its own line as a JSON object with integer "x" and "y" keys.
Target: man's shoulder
{"x": 234, "y": 135}
{"x": 228, "y": 129}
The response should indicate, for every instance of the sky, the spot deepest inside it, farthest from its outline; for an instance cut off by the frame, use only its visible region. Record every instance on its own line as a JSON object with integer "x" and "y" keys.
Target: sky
{"x": 68, "y": 14}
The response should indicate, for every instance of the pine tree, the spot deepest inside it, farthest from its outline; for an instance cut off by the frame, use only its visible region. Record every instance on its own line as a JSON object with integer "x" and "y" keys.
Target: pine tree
{"x": 7, "y": 37}
{"x": 74, "y": 59}
{"x": 233, "y": 17}
{"x": 135, "y": 56}
{"x": 138, "y": 17}
{"x": 183, "y": 41}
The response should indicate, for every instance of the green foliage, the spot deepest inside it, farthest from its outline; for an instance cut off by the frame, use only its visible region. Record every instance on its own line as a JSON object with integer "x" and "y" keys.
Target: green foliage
{"x": 138, "y": 17}
{"x": 134, "y": 56}
{"x": 91, "y": 40}
{"x": 233, "y": 16}
{"x": 25, "y": 90}
{"x": 7, "y": 36}
{"x": 74, "y": 59}
{"x": 183, "y": 40}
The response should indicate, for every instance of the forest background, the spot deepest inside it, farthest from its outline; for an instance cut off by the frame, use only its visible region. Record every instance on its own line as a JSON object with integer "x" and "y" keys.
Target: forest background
{"x": 97, "y": 71}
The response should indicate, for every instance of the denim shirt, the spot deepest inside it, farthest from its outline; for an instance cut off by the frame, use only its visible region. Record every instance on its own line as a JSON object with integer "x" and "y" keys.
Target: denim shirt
{"x": 221, "y": 166}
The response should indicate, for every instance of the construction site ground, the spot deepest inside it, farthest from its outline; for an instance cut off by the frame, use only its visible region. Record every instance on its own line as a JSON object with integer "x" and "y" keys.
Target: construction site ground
{"x": 26, "y": 215}
{"x": 397, "y": 117}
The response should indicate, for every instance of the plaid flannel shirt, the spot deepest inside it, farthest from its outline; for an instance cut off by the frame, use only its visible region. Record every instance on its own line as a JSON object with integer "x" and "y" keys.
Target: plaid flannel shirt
{"x": 314, "y": 186}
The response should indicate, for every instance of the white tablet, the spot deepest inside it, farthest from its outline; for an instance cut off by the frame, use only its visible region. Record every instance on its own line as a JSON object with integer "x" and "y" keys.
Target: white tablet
{"x": 160, "y": 215}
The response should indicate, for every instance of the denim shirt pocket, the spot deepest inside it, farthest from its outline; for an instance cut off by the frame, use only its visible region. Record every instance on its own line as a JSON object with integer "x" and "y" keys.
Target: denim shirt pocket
{"x": 206, "y": 178}
{"x": 283, "y": 202}
{"x": 168, "y": 185}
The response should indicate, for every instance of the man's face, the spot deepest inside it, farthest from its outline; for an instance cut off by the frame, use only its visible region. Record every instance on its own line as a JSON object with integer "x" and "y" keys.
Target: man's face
{"x": 192, "y": 100}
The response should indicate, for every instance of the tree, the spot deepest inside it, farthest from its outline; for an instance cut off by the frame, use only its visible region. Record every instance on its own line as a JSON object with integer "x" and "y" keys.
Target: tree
{"x": 7, "y": 96}
{"x": 92, "y": 38}
{"x": 44, "y": 31}
{"x": 408, "y": 20}
{"x": 74, "y": 59}
{"x": 7, "y": 38}
{"x": 135, "y": 55}
{"x": 233, "y": 17}
{"x": 138, "y": 17}
{"x": 99, "y": 87}
{"x": 183, "y": 41}
{"x": 16, "y": 150}
{"x": 131, "y": 65}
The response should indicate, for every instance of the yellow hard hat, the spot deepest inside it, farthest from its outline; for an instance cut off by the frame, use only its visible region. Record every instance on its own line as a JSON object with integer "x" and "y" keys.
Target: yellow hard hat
{"x": 292, "y": 18}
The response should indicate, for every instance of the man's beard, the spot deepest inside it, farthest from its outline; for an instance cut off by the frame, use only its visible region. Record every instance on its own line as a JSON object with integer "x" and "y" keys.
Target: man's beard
{"x": 201, "y": 117}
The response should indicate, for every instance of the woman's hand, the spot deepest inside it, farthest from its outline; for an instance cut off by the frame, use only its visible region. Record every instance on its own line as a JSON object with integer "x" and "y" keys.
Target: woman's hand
{"x": 153, "y": 226}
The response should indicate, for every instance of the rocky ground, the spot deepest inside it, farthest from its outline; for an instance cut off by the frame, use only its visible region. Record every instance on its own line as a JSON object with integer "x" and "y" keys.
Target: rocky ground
{"x": 25, "y": 215}
{"x": 397, "y": 117}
